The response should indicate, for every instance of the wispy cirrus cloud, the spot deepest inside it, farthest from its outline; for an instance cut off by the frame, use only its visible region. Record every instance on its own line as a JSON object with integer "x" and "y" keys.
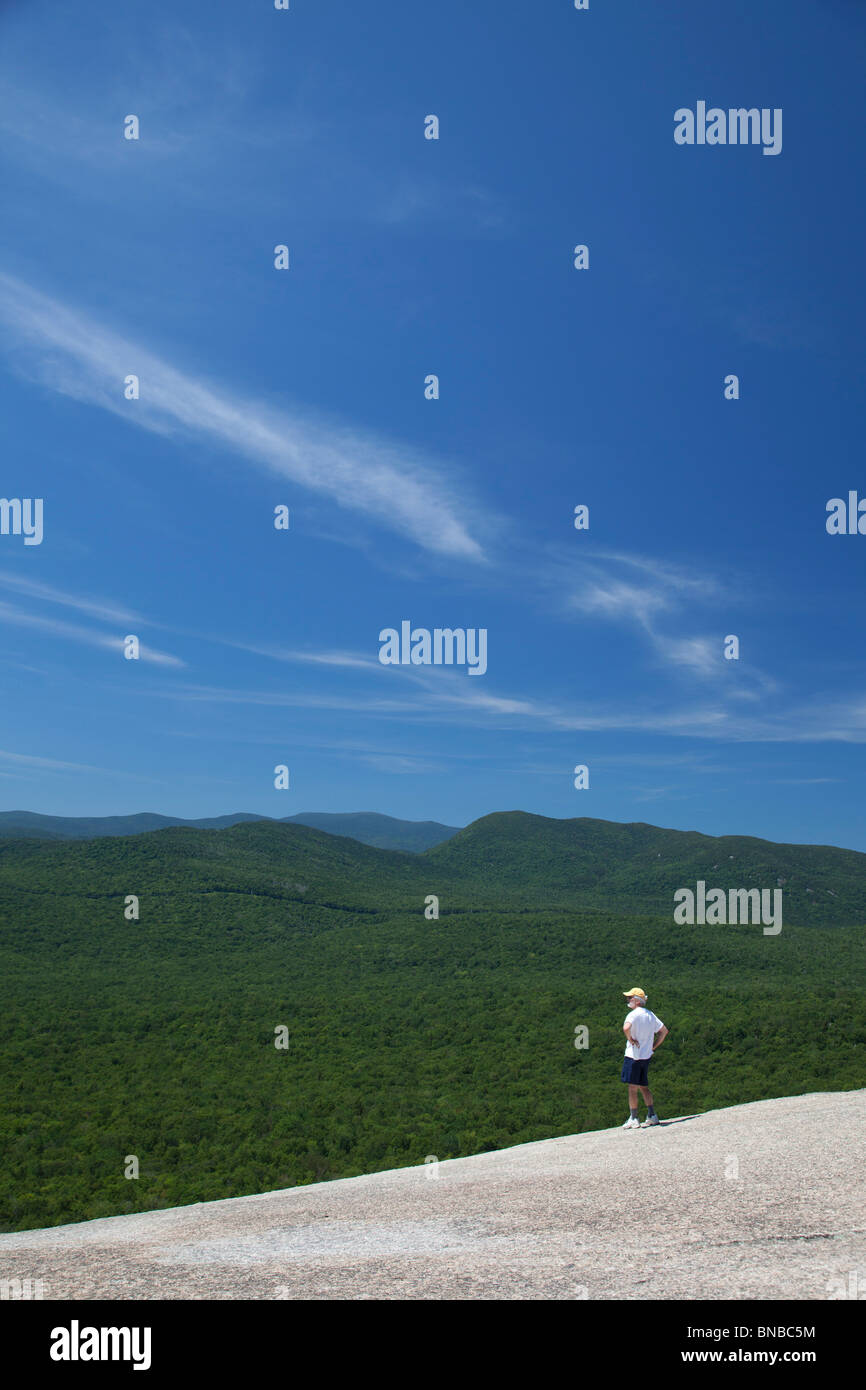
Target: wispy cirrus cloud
{"x": 349, "y": 661}
{"x": 699, "y": 654}
{"x": 399, "y": 488}
{"x": 445, "y": 697}
{"x": 616, "y": 584}
{"x": 803, "y": 781}
{"x": 472, "y": 207}
{"x": 469, "y": 706}
{"x": 401, "y": 491}
{"x": 29, "y": 760}
{"x": 97, "y": 608}
{"x": 84, "y": 635}
{"x": 609, "y": 597}
{"x": 650, "y": 595}
{"x": 196, "y": 110}
{"x": 19, "y": 765}
{"x": 633, "y": 589}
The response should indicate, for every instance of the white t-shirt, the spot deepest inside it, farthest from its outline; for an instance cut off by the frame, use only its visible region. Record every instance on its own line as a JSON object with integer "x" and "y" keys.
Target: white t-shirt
{"x": 644, "y": 1026}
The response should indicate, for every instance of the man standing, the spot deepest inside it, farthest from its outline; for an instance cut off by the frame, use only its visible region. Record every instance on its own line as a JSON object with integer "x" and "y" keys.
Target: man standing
{"x": 640, "y": 1028}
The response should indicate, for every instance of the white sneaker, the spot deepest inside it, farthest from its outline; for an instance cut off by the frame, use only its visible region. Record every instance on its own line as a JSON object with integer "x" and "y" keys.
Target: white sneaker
{"x": 631, "y": 1123}
{"x": 650, "y": 1120}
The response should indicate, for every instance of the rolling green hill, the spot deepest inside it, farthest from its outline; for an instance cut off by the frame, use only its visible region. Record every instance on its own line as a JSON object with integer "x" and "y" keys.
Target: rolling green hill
{"x": 637, "y": 867}
{"x": 406, "y": 1036}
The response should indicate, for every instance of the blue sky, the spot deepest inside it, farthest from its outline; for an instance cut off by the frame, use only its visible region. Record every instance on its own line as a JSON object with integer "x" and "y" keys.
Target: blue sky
{"x": 305, "y": 388}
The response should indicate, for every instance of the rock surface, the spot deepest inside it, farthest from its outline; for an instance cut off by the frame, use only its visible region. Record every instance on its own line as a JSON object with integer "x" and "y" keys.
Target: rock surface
{"x": 758, "y": 1201}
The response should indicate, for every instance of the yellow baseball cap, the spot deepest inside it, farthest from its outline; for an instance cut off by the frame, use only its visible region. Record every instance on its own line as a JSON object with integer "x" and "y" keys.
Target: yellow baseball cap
{"x": 629, "y": 993}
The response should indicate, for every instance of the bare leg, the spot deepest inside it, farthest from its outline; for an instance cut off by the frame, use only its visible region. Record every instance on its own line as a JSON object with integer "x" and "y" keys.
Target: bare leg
{"x": 632, "y": 1097}
{"x": 647, "y": 1095}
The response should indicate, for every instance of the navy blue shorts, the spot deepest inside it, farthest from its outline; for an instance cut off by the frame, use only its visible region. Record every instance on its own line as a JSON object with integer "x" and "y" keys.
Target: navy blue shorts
{"x": 634, "y": 1071}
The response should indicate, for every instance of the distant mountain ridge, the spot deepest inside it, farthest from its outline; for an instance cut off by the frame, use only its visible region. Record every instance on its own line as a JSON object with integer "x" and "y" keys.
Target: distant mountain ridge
{"x": 514, "y": 856}
{"x": 369, "y": 827}
{"x": 382, "y": 832}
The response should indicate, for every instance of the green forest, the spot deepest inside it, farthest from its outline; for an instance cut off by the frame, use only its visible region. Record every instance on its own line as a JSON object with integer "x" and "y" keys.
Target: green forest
{"x": 407, "y": 1036}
